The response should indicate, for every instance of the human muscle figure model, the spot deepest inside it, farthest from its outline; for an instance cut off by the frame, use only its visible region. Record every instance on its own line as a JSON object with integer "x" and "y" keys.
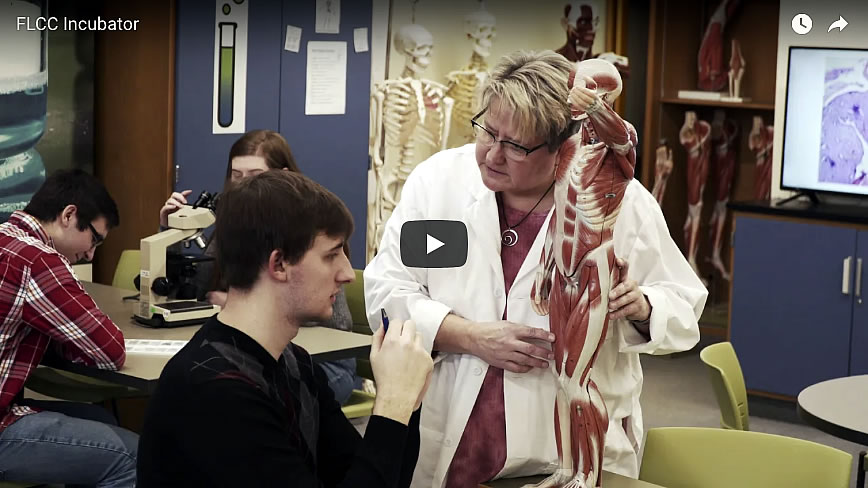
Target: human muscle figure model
{"x": 662, "y": 170}
{"x": 403, "y": 110}
{"x": 711, "y": 74}
{"x": 724, "y": 133}
{"x": 695, "y": 137}
{"x": 581, "y": 28}
{"x": 760, "y": 142}
{"x": 577, "y": 267}
{"x": 464, "y": 84}
{"x": 736, "y": 70}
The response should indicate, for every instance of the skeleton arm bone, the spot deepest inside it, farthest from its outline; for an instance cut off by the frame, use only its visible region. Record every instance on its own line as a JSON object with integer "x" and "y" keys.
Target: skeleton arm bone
{"x": 377, "y": 128}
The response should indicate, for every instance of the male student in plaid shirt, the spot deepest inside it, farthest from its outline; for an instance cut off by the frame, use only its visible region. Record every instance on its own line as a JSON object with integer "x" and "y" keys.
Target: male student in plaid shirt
{"x": 42, "y": 305}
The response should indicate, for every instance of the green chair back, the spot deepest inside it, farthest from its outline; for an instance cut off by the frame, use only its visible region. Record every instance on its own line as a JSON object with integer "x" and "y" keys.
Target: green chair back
{"x": 76, "y": 388}
{"x": 128, "y": 267}
{"x": 693, "y": 457}
{"x": 728, "y": 383}
{"x": 355, "y": 293}
{"x": 360, "y": 404}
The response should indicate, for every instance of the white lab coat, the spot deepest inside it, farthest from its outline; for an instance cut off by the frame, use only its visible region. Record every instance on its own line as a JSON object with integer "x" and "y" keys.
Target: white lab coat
{"x": 448, "y": 186}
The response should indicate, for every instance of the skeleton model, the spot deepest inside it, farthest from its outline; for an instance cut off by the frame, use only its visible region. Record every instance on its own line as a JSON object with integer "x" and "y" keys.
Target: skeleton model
{"x": 464, "y": 85}
{"x": 736, "y": 70}
{"x": 581, "y": 28}
{"x": 711, "y": 75}
{"x": 577, "y": 267}
{"x": 662, "y": 170}
{"x": 695, "y": 137}
{"x": 403, "y": 111}
{"x": 724, "y": 134}
{"x": 760, "y": 142}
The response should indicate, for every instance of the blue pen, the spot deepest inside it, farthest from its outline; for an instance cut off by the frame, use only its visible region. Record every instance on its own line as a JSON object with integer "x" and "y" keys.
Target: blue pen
{"x": 385, "y": 319}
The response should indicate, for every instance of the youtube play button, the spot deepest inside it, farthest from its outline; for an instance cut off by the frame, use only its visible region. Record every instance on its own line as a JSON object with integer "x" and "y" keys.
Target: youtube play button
{"x": 433, "y": 244}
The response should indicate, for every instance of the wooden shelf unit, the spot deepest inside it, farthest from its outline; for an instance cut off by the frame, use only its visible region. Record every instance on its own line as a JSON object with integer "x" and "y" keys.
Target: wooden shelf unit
{"x": 675, "y": 34}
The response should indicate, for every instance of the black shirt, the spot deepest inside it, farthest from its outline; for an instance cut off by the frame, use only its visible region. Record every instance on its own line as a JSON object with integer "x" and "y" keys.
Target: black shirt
{"x": 225, "y": 413}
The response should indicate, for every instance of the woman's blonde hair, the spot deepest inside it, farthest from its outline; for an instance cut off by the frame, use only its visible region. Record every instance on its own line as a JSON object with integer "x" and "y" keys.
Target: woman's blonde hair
{"x": 533, "y": 84}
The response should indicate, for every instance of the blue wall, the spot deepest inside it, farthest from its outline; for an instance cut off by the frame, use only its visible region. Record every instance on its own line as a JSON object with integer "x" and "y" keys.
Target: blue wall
{"x": 331, "y": 149}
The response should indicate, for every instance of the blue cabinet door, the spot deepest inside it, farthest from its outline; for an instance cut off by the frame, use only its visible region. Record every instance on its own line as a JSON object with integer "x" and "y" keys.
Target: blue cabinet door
{"x": 790, "y": 323}
{"x": 859, "y": 333}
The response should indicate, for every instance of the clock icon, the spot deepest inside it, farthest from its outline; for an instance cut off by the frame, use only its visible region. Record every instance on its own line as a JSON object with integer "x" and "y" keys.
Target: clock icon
{"x": 802, "y": 24}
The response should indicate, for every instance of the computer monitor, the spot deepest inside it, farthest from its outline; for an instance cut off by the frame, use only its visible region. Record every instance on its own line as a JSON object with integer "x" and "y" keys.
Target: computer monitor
{"x": 825, "y": 146}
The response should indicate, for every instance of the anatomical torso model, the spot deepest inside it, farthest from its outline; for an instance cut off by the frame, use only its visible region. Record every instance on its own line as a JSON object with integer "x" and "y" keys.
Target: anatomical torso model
{"x": 580, "y": 24}
{"x": 403, "y": 111}
{"x": 724, "y": 135}
{"x": 464, "y": 85}
{"x": 695, "y": 136}
{"x": 760, "y": 141}
{"x": 662, "y": 170}
{"x": 577, "y": 267}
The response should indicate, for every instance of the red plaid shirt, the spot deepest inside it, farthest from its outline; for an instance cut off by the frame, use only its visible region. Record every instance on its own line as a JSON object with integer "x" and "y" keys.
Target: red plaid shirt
{"x": 41, "y": 301}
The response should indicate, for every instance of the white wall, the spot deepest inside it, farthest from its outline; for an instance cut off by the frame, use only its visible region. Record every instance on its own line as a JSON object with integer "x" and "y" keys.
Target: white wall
{"x": 855, "y": 35}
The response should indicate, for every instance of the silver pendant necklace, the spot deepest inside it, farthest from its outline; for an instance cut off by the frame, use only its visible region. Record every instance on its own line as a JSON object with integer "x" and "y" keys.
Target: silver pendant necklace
{"x": 509, "y": 237}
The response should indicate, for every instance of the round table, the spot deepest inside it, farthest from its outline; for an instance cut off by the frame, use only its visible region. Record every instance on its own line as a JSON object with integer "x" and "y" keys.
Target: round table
{"x": 838, "y": 407}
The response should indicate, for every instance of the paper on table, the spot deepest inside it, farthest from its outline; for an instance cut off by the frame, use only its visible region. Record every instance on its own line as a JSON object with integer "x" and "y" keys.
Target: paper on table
{"x": 293, "y": 38}
{"x": 328, "y": 16}
{"x": 153, "y": 346}
{"x": 326, "y": 79}
{"x": 360, "y": 39}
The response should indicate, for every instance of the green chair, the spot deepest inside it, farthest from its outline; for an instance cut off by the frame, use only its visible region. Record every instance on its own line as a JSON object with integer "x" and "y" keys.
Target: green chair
{"x": 361, "y": 403}
{"x": 129, "y": 266}
{"x": 728, "y": 384}
{"x": 695, "y": 457}
{"x": 77, "y": 388}
{"x": 863, "y": 468}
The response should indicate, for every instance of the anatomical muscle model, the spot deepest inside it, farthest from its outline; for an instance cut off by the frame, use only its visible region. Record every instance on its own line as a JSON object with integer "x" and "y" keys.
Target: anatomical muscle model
{"x": 711, "y": 74}
{"x": 403, "y": 111}
{"x": 695, "y": 136}
{"x": 577, "y": 267}
{"x": 736, "y": 70}
{"x": 580, "y": 24}
{"x": 662, "y": 170}
{"x": 724, "y": 135}
{"x": 464, "y": 85}
{"x": 760, "y": 141}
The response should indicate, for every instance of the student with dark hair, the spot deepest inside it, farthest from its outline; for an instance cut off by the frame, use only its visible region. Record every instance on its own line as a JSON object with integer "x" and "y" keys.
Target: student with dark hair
{"x": 255, "y": 152}
{"x": 240, "y": 405}
{"x": 42, "y": 305}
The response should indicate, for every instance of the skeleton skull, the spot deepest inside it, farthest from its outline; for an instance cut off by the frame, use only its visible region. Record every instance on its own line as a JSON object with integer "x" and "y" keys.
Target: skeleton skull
{"x": 480, "y": 26}
{"x": 416, "y": 43}
{"x": 605, "y": 76}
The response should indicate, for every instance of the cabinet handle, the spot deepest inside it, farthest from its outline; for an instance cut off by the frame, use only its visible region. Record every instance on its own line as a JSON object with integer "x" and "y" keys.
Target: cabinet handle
{"x": 845, "y": 280}
{"x": 859, "y": 279}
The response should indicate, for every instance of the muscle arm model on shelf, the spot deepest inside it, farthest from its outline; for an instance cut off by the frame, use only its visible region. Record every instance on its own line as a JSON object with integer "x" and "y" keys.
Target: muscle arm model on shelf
{"x": 724, "y": 140}
{"x": 662, "y": 169}
{"x": 695, "y": 137}
{"x": 760, "y": 141}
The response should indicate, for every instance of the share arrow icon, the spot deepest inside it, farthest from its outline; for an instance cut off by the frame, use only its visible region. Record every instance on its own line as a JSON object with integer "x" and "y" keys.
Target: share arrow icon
{"x": 839, "y": 24}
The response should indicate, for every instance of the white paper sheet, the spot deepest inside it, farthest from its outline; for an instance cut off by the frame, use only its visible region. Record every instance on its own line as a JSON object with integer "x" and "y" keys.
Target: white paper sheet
{"x": 152, "y": 346}
{"x": 293, "y": 38}
{"x": 360, "y": 39}
{"x": 326, "y": 85}
{"x": 328, "y": 16}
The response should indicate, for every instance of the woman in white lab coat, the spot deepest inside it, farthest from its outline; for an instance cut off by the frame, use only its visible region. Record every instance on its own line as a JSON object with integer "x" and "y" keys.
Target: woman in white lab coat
{"x": 489, "y": 409}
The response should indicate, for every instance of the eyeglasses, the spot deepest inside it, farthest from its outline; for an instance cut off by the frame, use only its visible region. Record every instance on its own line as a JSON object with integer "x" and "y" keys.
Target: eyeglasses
{"x": 513, "y": 151}
{"x": 96, "y": 239}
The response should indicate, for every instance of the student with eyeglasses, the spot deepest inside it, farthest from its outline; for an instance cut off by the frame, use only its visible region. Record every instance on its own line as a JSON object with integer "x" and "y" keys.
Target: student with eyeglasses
{"x": 489, "y": 411}
{"x": 42, "y": 306}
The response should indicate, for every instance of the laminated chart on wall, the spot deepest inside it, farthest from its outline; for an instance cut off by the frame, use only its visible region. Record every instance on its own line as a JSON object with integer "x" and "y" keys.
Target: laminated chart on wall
{"x": 230, "y": 67}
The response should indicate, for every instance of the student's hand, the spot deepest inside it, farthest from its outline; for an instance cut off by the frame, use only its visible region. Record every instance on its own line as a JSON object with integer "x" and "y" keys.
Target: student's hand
{"x": 511, "y": 346}
{"x": 216, "y": 298}
{"x": 173, "y": 204}
{"x": 402, "y": 369}
{"x": 626, "y": 299}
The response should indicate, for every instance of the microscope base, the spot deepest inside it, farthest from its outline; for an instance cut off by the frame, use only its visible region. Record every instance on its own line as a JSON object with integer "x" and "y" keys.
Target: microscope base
{"x": 175, "y": 314}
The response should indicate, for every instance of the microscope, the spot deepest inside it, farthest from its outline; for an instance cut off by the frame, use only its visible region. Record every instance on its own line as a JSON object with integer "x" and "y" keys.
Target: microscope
{"x": 157, "y": 281}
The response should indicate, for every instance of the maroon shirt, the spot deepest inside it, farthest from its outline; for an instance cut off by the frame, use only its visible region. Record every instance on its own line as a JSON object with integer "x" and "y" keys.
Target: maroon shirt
{"x": 481, "y": 453}
{"x": 41, "y": 301}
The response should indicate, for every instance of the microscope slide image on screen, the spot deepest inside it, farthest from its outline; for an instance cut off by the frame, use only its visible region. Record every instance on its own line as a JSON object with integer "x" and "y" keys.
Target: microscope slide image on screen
{"x": 23, "y": 90}
{"x": 843, "y": 145}
{"x": 230, "y": 67}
